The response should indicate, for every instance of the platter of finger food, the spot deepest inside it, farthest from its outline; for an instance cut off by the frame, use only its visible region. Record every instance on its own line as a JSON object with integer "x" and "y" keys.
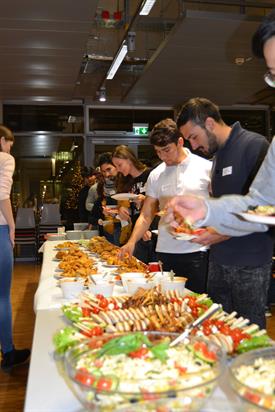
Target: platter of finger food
{"x": 155, "y": 310}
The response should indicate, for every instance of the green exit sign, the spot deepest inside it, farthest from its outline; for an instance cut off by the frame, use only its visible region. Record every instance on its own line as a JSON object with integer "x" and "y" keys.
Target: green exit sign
{"x": 140, "y": 129}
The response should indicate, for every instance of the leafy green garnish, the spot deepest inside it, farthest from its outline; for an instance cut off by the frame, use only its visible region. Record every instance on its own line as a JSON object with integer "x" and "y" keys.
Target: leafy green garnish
{"x": 131, "y": 343}
{"x": 254, "y": 343}
{"x": 73, "y": 313}
{"x": 160, "y": 351}
{"x": 124, "y": 344}
{"x": 66, "y": 338}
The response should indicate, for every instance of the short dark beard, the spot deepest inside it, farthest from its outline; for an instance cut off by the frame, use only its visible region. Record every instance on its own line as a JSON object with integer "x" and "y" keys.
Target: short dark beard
{"x": 213, "y": 145}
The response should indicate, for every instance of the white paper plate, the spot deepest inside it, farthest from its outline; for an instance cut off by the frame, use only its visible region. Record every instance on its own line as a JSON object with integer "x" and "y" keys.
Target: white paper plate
{"x": 250, "y": 217}
{"x": 124, "y": 196}
{"x": 183, "y": 236}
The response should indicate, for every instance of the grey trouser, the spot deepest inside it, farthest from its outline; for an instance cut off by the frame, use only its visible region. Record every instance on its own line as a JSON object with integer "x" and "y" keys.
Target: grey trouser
{"x": 240, "y": 288}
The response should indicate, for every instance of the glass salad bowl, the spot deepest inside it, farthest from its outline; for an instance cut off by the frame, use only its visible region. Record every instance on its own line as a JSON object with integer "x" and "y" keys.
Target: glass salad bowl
{"x": 252, "y": 375}
{"x": 139, "y": 371}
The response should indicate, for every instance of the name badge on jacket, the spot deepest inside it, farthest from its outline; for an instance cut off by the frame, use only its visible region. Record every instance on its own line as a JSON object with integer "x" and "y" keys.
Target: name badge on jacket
{"x": 227, "y": 171}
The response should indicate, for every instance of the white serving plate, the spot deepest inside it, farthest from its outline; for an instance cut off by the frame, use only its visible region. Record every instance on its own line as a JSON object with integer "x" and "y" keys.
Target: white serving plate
{"x": 251, "y": 217}
{"x": 183, "y": 236}
{"x": 124, "y": 196}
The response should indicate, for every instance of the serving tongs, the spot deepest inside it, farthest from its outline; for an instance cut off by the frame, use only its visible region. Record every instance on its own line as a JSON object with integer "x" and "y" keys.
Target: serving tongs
{"x": 213, "y": 309}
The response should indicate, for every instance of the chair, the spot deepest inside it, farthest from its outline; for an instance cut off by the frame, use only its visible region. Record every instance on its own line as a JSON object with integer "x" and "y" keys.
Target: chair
{"x": 25, "y": 234}
{"x": 49, "y": 222}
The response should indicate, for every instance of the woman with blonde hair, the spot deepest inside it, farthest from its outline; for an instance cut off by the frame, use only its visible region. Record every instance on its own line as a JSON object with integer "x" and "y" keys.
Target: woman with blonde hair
{"x": 132, "y": 177}
{"x": 10, "y": 355}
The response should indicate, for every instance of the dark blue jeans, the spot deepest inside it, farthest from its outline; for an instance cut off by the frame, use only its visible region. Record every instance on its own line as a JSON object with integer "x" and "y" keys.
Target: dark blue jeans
{"x": 240, "y": 288}
{"x": 6, "y": 268}
{"x": 193, "y": 266}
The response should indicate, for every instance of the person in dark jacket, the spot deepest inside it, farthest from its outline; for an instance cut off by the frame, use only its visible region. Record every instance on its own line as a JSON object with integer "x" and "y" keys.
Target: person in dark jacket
{"x": 89, "y": 177}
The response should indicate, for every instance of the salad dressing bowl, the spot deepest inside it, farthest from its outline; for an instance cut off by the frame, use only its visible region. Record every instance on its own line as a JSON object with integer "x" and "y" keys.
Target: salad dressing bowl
{"x": 139, "y": 371}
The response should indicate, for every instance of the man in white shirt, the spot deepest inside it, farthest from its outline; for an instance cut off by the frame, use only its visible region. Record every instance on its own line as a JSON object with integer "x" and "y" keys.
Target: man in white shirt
{"x": 180, "y": 172}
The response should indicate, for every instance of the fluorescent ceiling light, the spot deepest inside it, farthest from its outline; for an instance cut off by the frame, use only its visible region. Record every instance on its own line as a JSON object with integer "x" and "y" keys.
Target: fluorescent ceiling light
{"x": 146, "y": 7}
{"x": 117, "y": 61}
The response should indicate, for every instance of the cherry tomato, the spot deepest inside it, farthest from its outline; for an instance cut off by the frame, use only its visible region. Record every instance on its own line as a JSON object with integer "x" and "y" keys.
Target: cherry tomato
{"x": 182, "y": 370}
{"x": 98, "y": 363}
{"x": 225, "y": 329}
{"x": 104, "y": 384}
{"x": 103, "y": 303}
{"x": 114, "y": 303}
{"x": 86, "y": 333}
{"x": 139, "y": 353}
{"x": 252, "y": 397}
{"x": 84, "y": 377}
{"x": 237, "y": 335}
{"x": 96, "y": 331}
{"x": 95, "y": 311}
{"x": 207, "y": 330}
{"x": 95, "y": 343}
{"x": 195, "y": 312}
{"x": 86, "y": 312}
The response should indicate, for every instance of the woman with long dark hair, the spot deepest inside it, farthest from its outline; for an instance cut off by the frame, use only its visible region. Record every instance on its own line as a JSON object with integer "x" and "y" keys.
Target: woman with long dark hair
{"x": 132, "y": 177}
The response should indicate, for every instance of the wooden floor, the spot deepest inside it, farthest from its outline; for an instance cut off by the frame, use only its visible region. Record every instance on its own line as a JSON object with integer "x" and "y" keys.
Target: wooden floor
{"x": 13, "y": 386}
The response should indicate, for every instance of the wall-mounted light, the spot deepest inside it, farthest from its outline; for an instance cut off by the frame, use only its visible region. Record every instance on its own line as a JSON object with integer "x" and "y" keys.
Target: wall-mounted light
{"x": 102, "y": 94}
{"x": 146, "y": 7}
{"x": 117, "y": 61}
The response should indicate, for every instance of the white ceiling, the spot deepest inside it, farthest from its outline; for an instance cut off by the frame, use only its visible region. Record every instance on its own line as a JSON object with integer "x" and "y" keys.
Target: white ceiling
{"x": 42, "y": 45}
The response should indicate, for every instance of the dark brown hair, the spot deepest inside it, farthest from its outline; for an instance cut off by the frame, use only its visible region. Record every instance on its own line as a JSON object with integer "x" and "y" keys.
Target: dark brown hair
{"x": 124, "y": 183}
{"x": 6, "y": 133}
{"x": 164, "y": 133}
{"x": 197, "y": 110}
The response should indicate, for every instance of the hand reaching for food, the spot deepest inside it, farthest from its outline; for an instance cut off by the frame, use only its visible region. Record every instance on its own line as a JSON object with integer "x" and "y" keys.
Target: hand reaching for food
{"x": 147, "y": 236}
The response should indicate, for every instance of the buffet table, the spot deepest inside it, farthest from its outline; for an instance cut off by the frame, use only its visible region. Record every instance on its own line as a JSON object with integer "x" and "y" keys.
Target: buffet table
{"x": 47, "y": 390}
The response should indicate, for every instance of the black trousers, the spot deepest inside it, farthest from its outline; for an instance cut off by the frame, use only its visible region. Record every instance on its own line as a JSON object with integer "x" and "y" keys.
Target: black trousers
{"x": 193, "y": 266}
{"x": 146, "y": 250}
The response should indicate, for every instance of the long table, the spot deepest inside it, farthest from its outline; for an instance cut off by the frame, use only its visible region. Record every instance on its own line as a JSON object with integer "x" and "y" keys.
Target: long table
{"x": 47, "y": 390}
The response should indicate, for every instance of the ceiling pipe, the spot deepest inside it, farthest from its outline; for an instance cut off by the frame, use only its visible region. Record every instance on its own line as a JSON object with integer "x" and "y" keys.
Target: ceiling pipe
{"x": 127, "y": 30}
